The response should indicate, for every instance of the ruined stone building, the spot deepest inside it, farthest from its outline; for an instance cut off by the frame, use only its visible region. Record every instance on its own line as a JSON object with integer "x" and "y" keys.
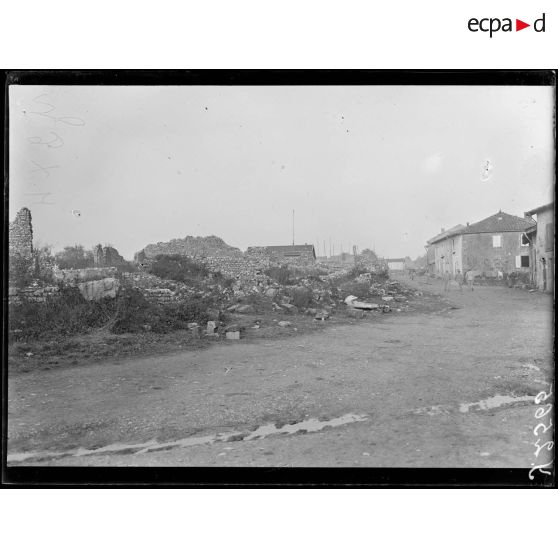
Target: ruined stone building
{"x": 21, "y": 235}
{"x": 541, "y": 238}
{"x": 106, "y": 257}
{"x": 493, "y": 247}
{"x": 301, "y": 254}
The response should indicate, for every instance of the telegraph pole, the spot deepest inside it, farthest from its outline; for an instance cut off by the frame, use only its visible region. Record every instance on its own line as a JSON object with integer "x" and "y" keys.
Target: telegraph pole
{"x": 293, "y": 227}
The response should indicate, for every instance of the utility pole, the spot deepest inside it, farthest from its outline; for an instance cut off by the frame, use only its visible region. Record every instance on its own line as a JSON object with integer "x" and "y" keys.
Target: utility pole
{"x": 293, "y": 227}
{"x": 330, "y": 246}
{"x": 325, "y": 253}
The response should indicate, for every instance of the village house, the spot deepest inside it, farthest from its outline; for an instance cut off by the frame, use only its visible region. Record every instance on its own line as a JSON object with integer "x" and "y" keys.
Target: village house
{"x": 493, "y": 247}
{"x": 301, "y": 254}
{"x": 541, "y": 238}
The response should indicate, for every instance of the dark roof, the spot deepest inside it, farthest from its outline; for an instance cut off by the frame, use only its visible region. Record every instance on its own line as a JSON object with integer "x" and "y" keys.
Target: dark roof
{"x": 499, "y": 222}
{"x": 539, "y": 209}
{"x": 445, "y": 234}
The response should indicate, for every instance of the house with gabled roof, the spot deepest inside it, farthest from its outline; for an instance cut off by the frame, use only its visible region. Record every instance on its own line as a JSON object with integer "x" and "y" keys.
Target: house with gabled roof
{"x": 493, "y": 247}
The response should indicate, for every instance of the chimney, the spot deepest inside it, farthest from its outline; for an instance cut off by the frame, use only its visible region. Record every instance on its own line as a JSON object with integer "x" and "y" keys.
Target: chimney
{"x": 443, "y": 230}
{"x": 467, "y": 223}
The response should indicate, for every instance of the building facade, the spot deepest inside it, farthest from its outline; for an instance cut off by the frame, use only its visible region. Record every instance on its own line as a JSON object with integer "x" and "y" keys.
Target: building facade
{"x": 541, "y": 237}
{"x": 494, "y": 247}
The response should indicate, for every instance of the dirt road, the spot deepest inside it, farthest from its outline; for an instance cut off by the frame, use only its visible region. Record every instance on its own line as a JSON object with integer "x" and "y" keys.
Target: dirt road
{"x": 389, "y": 393}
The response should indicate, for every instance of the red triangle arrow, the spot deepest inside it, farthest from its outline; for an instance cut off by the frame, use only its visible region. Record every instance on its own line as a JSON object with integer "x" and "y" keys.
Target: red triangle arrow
{"x": 519, "y": 25}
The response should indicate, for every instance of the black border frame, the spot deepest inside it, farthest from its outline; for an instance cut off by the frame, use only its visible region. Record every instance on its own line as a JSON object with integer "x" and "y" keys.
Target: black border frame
{"x": 232, "y": 477}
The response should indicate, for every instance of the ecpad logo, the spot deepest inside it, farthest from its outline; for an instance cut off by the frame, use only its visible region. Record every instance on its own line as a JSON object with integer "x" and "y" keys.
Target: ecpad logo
{"x": 493, "y": 25}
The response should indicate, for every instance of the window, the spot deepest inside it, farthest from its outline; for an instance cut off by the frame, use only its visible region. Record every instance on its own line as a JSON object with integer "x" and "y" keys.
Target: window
{"x": 524, "y": 240}
{"x": 521, "y": 261}
{"x": 496, "y": 241}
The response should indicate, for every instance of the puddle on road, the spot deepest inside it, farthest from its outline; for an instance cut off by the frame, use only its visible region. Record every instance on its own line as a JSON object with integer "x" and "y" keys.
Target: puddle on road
{"x": 310, "y": 425}
{"x": 432, "y": 411}
{"x": 494, "y": 402}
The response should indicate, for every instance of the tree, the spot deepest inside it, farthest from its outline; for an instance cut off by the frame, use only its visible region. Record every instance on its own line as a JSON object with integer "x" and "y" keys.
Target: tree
{"x": 369, "y": 255}
{"x": 74, "y": 257}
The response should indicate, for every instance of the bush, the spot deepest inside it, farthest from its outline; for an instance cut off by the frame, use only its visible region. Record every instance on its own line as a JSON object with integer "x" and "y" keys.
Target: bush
{"x": 282, "y": 275}
{"x": 134, "y": 312}
{"x": 178, "y": 268}
{"x": 355, "y": 271}
{"x": 74, "y": 257}
{"x": 66, "y": 314}
{"x": 20, "y": 271}
{"x": 301, "y": 297}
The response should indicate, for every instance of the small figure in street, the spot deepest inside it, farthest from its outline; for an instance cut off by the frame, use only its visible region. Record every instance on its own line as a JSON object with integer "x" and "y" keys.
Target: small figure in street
{"x": 470, "y": 277}
{"x": 459, "y": 278}
{"x": 447, "y": 279}
{"x": 412, "y": 274}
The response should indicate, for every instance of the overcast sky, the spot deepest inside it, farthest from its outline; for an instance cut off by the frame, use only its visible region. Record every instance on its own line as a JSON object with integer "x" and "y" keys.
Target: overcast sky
{"x": 366, "y": 166}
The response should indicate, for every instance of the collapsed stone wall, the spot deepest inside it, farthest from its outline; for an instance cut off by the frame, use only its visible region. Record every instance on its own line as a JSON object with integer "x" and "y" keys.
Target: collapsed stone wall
{"x": 21, "y": 235}
{"x": 32, "y": 294}
{"x": 278, "y": 257}
{"x": 191, "y": 246}
{"x": 106, "y": 256}
{"x": 211, "y": 251}
{"x": 73, "y": 276}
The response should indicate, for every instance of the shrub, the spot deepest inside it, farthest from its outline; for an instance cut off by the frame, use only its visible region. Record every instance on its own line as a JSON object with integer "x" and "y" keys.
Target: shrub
{"x": 134, "y": 312}
{"x": 74, "y": 257}
{"x": 20, "y": 271}
{"x": 301, "y": 297}
{"x": 66, "y": 314}
{"x": 282, "y": 275}
{"x": 178, "y": 268}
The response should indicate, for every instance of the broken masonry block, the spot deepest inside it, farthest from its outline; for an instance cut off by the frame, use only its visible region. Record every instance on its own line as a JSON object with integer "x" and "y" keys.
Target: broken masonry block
{"x": 234, "y": 335}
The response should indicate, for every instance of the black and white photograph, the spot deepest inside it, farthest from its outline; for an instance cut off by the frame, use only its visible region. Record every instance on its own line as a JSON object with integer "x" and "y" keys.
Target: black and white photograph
{"x": 281, "y": 275}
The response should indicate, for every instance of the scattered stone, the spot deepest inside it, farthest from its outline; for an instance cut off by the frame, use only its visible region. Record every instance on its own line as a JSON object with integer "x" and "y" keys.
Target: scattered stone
{"x": 290, "y": 308}
{"x": 284, "y": 324}
{"x": 387, "y": 298}
{"x": 355, "y": 312}
{"x": 96, "y": 290}
{"x": 271, "y": 293}
{"x": 311, "y": 312}
{"x": 245, "y": 309}
{"x": 235, "y": 335}
{"x": 211, "y": 327}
